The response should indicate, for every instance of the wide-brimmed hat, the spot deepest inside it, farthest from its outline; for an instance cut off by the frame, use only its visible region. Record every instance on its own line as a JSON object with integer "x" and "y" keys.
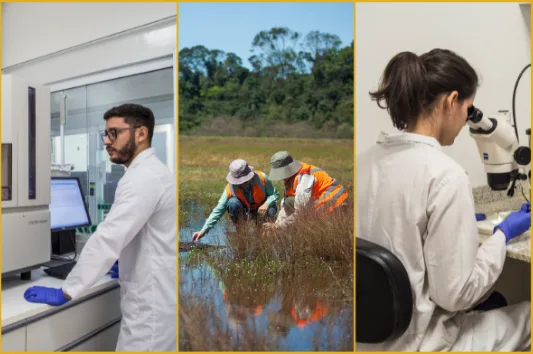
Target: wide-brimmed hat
{"x": 282, "y": 166}
{"x": 239, "y": 172}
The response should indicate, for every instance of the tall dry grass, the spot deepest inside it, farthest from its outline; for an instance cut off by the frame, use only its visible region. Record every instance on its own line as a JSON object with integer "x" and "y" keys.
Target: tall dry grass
{"x": 328, "y": 238}
{"x": 235, "y": 127}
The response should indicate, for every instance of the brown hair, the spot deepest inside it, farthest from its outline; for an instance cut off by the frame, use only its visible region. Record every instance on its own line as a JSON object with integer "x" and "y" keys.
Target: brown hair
{"x": 411, "y": 84}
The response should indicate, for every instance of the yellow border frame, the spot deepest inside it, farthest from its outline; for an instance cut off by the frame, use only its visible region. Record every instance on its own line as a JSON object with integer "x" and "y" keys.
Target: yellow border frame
{"x": 177, "y": 118}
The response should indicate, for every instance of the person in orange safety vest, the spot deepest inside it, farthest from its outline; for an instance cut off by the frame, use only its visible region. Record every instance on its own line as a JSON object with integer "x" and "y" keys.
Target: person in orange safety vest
{"x": 248, "y": 194}
{"x": 305, "y": 184}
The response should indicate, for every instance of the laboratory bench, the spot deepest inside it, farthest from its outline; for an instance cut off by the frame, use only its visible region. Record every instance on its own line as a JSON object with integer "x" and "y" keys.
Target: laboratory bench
{"x": 89, "y": 323}
{"x": 496, "y": 206}
{"x": 518, "y": 248}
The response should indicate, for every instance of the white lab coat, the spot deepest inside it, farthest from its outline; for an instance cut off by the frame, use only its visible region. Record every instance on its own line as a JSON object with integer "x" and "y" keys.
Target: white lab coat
{"x": 417, "y": 202}
{"x": 139, "y": 231}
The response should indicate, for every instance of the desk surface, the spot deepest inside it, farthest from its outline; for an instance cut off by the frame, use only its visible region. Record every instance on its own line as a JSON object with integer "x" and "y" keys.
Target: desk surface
{"x": 15, "y": 308}
{"x": 518, "y": 248}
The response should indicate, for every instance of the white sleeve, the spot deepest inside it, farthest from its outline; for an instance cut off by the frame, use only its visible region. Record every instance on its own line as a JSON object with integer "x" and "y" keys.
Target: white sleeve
{"x": 282, "y": 215}
{"x": 460, "y": 271}
{"x": 135, "y": 202}
{"x": 303, "y": 194}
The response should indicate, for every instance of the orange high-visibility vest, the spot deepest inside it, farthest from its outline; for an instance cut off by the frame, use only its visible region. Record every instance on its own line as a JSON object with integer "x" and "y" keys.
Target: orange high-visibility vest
{"x": 327, "y": 193}
{"x": 318, "y": 312}
{"x": 258, "y": 186}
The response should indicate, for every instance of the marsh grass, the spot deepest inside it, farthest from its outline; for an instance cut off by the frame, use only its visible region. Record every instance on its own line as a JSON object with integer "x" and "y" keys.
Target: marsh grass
{"x": 232, "y": 126}
{"x": 328, "y": 238}
{"x": 204, "y": 161}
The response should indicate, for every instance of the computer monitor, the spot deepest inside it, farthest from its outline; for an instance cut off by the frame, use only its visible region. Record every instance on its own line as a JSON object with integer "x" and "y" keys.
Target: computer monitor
{"x": 67, "y": 207}
{"x": 67, "y": 213}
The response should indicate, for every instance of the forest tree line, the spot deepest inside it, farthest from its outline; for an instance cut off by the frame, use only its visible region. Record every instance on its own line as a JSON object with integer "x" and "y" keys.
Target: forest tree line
{"x": 298, "y": 86}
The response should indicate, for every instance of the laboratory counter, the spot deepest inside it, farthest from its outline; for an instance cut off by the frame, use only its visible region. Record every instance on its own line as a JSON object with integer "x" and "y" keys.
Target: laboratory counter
{"x": 518, "y": 248}
{"x": 496, "y": 206}
{"x": 88, "y": 323}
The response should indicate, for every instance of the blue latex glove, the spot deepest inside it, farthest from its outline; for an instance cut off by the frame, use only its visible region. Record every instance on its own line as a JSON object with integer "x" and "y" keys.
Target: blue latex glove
{"x": 44, "y": 295}
{"x": 516, "y": 223}
{"x": 114, "y": 270}
{"x": 480, "y": 217}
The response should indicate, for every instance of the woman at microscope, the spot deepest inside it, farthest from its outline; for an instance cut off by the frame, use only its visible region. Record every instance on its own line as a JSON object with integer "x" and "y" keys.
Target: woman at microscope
{"x": 416, "y": 201}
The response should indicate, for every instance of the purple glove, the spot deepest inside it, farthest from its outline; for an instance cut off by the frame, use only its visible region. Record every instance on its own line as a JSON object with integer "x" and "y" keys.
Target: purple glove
{"x": 516, "y": 223}
{"x": 44, "y": 295}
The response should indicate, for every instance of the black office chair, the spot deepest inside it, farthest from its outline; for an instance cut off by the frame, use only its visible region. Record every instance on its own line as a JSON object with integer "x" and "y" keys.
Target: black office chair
{"x": 384, "y": 303}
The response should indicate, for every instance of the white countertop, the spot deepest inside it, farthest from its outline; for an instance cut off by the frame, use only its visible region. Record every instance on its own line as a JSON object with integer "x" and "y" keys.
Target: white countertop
{"x": 15, "y": 308}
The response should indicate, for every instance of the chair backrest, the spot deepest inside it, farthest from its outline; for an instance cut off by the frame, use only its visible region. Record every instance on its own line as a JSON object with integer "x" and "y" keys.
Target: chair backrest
{"x": 384, "y": 303}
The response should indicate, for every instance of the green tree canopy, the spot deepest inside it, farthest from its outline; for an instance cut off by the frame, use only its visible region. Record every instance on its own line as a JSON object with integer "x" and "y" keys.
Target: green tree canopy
{"x": 294, "y": 81}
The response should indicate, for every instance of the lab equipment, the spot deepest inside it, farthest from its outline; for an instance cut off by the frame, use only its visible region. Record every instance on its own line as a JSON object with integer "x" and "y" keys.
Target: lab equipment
{"x": 498, "y": 148}
{"x": 60, "y": 271}
{"x": 25, "y": 176}
{"x": 61, "y": 169}
{"x": 49, "y": 296}
{"x": 68, "y": 212}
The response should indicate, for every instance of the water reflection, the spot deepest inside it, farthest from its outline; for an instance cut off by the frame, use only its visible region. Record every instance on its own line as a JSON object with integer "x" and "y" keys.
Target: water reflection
{"x": 193, "y": 220}
{"x": 228, "y": 305}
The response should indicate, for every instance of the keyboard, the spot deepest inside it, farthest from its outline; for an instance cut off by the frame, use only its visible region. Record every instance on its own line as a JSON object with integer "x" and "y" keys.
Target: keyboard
{"x": 60, "y": 271}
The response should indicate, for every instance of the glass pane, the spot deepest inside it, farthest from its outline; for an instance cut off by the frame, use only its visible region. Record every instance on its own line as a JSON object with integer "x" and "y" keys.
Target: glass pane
{"x": 159, "y": 143}
{"x": 76, "y": 151}
{"x": 154, "y": 90}
{"x": 72, "y": 148}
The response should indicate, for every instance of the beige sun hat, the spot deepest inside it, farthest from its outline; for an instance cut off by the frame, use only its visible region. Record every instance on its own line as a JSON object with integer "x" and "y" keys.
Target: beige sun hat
{"x": 239, "y": 172}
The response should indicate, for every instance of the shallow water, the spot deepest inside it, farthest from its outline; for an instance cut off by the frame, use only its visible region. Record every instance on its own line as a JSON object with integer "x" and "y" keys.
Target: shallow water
{"x": 228, "y": 307}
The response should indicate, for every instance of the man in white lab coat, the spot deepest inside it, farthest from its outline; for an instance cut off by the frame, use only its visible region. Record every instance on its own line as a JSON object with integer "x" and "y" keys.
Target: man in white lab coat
{"x": 416, "y": 201}
{"x": 139, "y": 231}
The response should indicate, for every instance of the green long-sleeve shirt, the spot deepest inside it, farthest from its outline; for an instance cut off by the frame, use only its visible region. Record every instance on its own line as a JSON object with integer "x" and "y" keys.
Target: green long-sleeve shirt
{"x": 272, "y": 197}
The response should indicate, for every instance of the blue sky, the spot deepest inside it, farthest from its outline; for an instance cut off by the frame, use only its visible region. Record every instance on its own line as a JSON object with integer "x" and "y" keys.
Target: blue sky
{"x": 232, "y": 26}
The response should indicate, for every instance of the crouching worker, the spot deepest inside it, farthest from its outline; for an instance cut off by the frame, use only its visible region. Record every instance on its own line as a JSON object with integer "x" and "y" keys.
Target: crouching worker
{"x": 249, "y": 194}
{"x": 305, "y": 185}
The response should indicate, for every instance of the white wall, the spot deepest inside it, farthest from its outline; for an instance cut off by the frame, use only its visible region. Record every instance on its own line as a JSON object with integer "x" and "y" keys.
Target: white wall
{"x": 77, "y": 39}
{"x": 493, "y": 37}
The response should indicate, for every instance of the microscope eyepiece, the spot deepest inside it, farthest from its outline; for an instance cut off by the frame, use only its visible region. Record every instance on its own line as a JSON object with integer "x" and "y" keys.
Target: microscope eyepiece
{"x": 474, "y": 114}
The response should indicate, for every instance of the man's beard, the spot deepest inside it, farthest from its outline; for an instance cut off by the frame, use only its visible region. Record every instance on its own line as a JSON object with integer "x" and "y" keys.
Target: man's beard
{"x": 125, "y": 154}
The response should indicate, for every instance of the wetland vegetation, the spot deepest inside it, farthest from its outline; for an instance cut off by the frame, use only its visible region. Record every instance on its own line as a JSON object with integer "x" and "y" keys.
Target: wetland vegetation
{"x": 285, "y": 290}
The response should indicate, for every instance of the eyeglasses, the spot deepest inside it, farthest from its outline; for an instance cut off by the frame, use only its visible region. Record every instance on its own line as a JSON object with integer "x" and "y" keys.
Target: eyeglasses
{"x": 113, "y": 132}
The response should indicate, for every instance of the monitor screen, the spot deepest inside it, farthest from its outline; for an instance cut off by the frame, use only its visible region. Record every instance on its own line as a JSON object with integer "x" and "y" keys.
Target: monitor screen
{"x": 67, "y": 206}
